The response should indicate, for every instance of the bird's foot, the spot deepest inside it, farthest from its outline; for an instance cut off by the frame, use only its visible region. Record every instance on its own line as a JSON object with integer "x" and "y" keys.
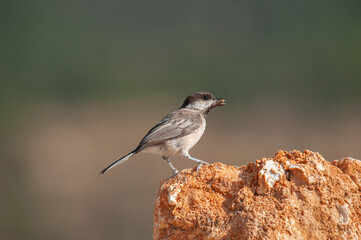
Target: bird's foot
{"x": 200, "y": 164}
{"x": 175, "y": 172}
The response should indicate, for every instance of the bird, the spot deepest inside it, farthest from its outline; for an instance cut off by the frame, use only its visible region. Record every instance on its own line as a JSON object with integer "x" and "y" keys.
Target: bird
{"x": 177, "y": 132}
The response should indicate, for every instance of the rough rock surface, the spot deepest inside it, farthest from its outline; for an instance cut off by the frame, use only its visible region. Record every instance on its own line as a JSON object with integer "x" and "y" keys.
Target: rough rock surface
{"x": 291, "y": 196}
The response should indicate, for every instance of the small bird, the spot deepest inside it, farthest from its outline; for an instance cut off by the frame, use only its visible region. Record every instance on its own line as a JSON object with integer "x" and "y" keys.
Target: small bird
{"x": 178, "y": 132}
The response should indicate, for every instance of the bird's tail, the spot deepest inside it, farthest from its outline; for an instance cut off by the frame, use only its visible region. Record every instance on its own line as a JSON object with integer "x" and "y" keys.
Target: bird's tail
{"x": 119, "y": 161}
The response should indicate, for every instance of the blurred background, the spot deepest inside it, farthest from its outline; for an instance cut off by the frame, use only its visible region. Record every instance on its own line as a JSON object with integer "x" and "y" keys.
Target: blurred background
{"x": 83, "y": 81}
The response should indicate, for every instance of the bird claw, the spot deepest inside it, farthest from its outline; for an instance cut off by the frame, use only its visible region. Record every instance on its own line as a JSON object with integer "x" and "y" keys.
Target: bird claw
{"x": 200, "y": 165}
{"x": 175, "y": 172}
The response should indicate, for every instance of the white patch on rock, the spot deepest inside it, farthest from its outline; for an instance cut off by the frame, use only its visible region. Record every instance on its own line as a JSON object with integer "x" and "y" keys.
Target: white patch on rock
{"x": 293, "y": 166}
{"x": 173, "y": 193}
{"x": 270, "y": 173}
{"x": 344, "y": 212}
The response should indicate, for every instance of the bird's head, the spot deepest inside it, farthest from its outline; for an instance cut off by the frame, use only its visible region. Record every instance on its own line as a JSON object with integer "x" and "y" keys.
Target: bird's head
{"x": 202, "y": 101}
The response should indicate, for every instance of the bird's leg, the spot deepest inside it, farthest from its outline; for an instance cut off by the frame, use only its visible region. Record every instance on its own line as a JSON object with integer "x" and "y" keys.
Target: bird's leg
{"x": 200, "y": 162}
{"x": 175, "y": 171}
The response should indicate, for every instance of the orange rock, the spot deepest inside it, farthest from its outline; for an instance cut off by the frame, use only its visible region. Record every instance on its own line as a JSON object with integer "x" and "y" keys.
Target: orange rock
{"x": 351, "y": 167}
{"x": 291, "y": 196}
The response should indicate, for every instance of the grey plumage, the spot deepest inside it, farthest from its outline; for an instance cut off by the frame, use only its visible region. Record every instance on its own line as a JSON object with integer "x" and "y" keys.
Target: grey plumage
{"x": 178, "y": 132}
{"x": 119, "y": 161}
{"x": 175, "y": 125}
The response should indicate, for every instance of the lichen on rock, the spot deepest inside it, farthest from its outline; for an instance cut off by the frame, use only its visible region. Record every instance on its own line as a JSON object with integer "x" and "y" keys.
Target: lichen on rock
{"x": 294, "y": 195}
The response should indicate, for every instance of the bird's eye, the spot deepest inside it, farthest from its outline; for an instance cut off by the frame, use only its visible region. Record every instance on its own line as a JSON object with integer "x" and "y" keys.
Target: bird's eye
{"x": 205, "y": 97}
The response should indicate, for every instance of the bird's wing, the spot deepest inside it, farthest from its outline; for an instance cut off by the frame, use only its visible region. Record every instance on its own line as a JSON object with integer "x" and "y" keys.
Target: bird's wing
{"x": 177, "y": 124}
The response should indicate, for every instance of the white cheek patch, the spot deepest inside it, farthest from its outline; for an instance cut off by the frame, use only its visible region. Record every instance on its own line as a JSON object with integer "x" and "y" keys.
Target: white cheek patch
{"x": 201, "y": 105}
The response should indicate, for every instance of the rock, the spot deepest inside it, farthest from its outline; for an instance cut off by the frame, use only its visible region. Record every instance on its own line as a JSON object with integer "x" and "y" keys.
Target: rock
{"x": 291, "y": 196}
{"x": 351, "y": 167}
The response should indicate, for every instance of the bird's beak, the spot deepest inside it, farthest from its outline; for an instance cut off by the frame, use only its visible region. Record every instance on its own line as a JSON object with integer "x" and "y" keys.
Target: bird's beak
{"x": 221, "y": 102}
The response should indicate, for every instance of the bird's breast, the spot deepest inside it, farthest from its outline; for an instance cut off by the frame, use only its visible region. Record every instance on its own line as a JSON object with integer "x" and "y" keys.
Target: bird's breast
{"x": 184, "y": 144}
{"x": 178, "y": 146}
